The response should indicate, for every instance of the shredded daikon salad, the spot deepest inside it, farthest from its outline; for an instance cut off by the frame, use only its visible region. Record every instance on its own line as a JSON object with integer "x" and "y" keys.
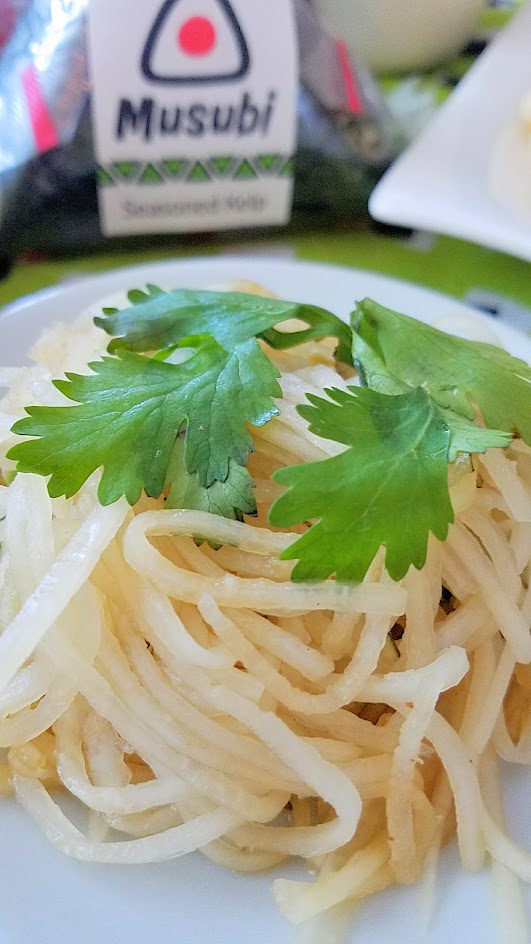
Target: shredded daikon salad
{"x": 191, "y": 696}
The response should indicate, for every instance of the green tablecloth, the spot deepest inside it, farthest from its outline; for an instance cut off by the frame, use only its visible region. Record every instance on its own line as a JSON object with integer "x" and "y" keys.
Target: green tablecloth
{"x": 448, "y": 265}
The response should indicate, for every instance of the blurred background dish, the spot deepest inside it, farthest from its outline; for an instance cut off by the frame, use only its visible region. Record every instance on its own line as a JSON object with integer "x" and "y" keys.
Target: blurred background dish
{"x": 469, "y": 172}
{"x": 400, "y": 35}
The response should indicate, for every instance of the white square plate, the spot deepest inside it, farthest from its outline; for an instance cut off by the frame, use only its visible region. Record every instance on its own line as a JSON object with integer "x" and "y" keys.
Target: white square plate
{"x": 469, "y": 173}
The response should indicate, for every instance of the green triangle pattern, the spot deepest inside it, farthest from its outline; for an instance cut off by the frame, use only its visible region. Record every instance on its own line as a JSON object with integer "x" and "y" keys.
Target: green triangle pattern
{"x": 126, "y": 170}
{"x": 150, "y": 175}
{"x": 220, "y": 164}
{"x": 104, "y": 178}
{"x": 174, "y": 166}
{"x": 178, "y": 167}
{"x": 198, "y": 172}
{"x": 288, "y": 168}
{"x": 244, "y": 171}
{"x": 266, "y": 161}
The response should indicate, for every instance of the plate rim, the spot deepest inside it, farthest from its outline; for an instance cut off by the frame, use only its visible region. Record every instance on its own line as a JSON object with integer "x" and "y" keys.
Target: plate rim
{"x": 23, "y": 305}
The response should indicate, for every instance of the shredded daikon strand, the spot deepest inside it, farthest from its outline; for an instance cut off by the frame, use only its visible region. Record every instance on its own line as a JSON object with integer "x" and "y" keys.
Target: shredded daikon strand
{"x": 509, "y": 908}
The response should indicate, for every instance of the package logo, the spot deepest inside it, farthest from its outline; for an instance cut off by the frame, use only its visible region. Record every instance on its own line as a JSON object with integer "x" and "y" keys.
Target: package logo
{"x": 194, "y": 123}
{"x": 195, "y": 41}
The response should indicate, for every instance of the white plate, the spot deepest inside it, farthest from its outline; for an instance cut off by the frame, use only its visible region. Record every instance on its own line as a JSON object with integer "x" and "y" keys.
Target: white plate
{"x": 469, "y": 173}
{"x": 48, "y": 898}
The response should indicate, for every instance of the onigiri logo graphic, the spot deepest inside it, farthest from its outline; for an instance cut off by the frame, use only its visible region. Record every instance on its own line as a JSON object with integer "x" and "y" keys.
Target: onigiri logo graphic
{"x": 195, "y": 41}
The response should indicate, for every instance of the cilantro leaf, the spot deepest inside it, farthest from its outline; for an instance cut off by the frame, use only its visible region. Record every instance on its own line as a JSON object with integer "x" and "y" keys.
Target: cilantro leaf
{"x": 469, "y": 437}
{"x": 389, "y": 487}
{"x": 391, "y": 349}
{"x": 159, "y": 320}
{"x": 232, "y": 498}
{"x": 136, "y": 295}
{"x": 131, "y": 410}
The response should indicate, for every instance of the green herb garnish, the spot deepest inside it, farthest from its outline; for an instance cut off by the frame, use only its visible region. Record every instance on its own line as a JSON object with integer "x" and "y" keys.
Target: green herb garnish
{"x": 131, "y": 410}
{"x": 182, "y": 428}
{"x": 390, "y": 348}
{"x": 158, "y": 426}
{"x": 232, "y": 498}
{"x": 389, "y": 487}
{"x": 159, "y": 320}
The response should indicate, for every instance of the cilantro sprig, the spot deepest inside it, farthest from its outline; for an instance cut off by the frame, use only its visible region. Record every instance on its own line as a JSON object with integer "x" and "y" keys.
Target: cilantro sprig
{"x": 156, "y": 426}
{"x": 389, "y": 348}
{"x": 131, "y": 411}
{"x": 388, "y": 487}
{"x": 182, "y": 429}
{"x": 159, "y": 320}
{"x": 415, "y": 414}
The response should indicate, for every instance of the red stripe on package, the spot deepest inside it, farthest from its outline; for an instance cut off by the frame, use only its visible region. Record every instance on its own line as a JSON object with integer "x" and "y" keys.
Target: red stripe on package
{"x": 43, "y": 127}
{"x": 353, "y": 97}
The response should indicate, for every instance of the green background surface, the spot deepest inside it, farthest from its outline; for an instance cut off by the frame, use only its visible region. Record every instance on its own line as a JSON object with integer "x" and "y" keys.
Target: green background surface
{"x": 448, "y": 265}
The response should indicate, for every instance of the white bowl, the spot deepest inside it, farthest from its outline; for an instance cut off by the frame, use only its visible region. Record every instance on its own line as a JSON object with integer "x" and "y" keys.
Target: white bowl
{"x": 401, "y": 35}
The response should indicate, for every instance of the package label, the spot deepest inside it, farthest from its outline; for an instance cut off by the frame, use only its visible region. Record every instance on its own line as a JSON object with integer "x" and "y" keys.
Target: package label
{"x": 194, "y": 113}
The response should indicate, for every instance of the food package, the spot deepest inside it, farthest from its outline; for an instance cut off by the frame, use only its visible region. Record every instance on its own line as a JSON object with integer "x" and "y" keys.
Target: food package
{"x": 10, "y": 11}
{"x": 345, "y": 137}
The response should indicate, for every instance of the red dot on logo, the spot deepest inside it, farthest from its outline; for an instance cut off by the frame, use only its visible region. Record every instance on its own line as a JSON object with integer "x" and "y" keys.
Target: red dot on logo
{"x": 197, "y": 36}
